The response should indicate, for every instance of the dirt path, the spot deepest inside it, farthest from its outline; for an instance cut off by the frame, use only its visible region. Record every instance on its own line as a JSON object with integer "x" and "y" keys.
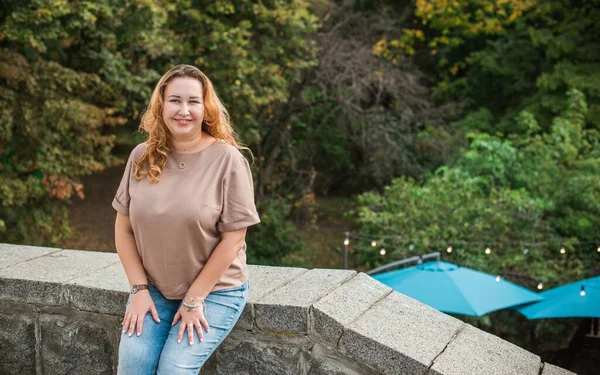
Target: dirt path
{"x": 93, "y": 219}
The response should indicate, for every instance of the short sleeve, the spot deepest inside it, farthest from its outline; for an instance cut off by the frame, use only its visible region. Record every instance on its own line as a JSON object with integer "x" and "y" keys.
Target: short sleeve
{"x": 239, "y": 210}
{"x": 122, "y": 197}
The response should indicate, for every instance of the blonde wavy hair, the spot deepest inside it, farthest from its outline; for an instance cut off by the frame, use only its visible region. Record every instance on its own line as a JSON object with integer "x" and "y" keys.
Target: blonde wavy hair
{"x": 158, "y": 143}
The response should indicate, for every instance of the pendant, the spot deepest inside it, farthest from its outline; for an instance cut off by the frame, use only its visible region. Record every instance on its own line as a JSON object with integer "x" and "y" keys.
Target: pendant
{"x": 182, "y": 165}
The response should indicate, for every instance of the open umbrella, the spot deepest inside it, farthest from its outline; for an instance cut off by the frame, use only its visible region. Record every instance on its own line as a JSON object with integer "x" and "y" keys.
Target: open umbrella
{"x": 580, "y": 299}
{"x": 456, "y": 290}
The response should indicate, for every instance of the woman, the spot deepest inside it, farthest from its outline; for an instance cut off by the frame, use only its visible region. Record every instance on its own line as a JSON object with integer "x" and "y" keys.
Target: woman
{"x": 183, "y": 207}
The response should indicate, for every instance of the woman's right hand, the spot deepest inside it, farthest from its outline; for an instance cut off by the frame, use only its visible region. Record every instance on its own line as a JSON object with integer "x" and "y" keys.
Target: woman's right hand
{"x": 139, "y": 305}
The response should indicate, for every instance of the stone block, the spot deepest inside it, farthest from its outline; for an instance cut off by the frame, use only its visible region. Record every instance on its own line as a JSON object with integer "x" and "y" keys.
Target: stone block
{"x": 555, "y": 370}
{"x": 475, "y": 352}
{"x": 398, "y": 335}
{"x": 327, "y": 362}
{"x": 12, "y": 254}
{"x": 32, "y": 291}
{"x": 263, "y": 280}
{"x": 246, "y": 320}
{"x": 343, "y": 305}
{"x": 17, "y": 343}
{"x": 76, "y": 345}
{"x": 244, "y": 353}
{"x": 105, "y": 290}
{"x": 60, "y": 266}
{"x": 286, "y": 308}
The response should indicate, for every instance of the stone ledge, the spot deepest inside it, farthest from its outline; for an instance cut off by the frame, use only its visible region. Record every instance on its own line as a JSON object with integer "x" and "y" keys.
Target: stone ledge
{"x": 399, "y": 335}
{"x": 343, "y": 305}
{"x": 475, "y": 352}
{"x": 286, "y": 308}
{"x": 555, "y": 370}
{"x": 363, "y": 325}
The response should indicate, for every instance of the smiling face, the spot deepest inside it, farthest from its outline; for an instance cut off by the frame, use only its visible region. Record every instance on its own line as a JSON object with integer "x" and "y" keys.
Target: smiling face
{"x": 183, "y": 108}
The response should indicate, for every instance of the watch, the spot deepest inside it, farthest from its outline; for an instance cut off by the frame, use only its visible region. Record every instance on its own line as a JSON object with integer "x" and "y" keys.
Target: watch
{"x": 137, "y": 287}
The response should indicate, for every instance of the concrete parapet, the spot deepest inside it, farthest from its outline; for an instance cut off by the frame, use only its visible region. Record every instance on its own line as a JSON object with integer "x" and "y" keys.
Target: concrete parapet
{"x": 60, "y": 312}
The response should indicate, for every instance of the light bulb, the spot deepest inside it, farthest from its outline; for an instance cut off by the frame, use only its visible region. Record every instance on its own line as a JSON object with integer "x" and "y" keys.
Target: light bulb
{"x": 498, "y": 278}
{"x": 488, "y": 250}
{"x": 563, "y": 250}
{"x": 373, "y": 243}
{"x": 598, "y": 249}
{"x": 346, "y": 242}
{"x": 541, "y": 286}
{"x": 582, "y": 293}
{"x": 449, "y": 249}
{"x": 382, "y": 251}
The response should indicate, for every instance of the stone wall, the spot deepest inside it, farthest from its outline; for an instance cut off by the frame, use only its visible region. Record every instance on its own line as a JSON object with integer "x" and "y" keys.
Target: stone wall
{"x": 60, "y": 313}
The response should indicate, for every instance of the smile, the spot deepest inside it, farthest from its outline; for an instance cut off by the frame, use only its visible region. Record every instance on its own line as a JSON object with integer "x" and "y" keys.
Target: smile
{"x": 182, "y": 122}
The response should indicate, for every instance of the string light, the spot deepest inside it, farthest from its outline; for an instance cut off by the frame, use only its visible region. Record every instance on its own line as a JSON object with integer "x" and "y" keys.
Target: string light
{"x": 582, "y": 293}
{"x": 487, "y": 251}
{"x": 474, "y": 242}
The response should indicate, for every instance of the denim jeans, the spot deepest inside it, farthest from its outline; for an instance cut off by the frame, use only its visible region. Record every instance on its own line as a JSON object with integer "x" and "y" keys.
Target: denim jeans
{"x": 156, "y": 351}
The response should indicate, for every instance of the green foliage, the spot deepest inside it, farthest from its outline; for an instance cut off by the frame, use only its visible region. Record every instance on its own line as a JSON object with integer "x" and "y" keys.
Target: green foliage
{"x": 252, "y": 51}
{"x": 51, "y": 136}
{"x": 539, "y": 192}
{"x": 70, "y": 72}
{"x": 275, "y": 237}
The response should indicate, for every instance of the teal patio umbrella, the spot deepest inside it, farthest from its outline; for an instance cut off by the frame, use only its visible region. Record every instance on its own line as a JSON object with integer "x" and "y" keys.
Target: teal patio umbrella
{"x": 452, "y": 289}
{"x": 580, "y": 299}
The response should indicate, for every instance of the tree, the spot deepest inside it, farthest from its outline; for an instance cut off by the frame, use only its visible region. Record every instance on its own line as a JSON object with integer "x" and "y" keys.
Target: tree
{"x": 501, "y": 194}
{"x": 65, "y": 82}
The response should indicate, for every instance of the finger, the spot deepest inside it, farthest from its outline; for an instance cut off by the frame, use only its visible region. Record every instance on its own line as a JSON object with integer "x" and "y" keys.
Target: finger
{"x": 176, "y": 318}
{"x": 204, "y": 324}
{"x": 199, "y": 330}
{"x": 154, "y": 313}
{"x": 140, "y": 325}
{"x": 132, "y": 322}
{"x": 190, "y": 332}
{"x": 126, "y": 321}
{"x": 180, "y": 333}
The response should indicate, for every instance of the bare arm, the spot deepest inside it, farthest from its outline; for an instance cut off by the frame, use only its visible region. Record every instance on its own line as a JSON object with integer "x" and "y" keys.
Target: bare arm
{"x": 127, "y": 250}
{"x": 218, "y": 263}
{"x": 141, "y": 302}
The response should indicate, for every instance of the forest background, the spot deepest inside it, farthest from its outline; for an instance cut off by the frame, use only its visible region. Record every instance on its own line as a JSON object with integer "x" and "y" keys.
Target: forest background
{"x": 420, "y": 125}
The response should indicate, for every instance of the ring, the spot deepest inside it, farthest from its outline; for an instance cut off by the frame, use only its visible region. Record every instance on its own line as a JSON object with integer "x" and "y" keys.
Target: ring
{"x": 190, "y": 325}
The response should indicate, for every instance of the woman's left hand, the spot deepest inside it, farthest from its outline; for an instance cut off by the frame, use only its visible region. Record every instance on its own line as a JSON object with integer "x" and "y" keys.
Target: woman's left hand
{"x": 189, "y": 321}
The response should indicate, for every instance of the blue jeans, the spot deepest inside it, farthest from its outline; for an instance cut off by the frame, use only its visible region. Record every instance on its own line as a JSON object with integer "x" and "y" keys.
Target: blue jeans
{"x": 156, "y": 351}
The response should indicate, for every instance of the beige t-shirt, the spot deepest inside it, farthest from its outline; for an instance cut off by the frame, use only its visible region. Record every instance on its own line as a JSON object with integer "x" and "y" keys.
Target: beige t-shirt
{"x": 177, "y": 222}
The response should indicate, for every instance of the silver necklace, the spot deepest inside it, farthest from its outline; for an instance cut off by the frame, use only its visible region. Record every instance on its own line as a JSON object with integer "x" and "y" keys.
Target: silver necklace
{"x": 182, "y": 164}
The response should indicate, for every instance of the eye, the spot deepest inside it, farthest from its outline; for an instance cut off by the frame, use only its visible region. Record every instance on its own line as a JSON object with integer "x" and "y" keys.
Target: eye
{"x": 174, "y": 100}
{"x": 194, "y": 102}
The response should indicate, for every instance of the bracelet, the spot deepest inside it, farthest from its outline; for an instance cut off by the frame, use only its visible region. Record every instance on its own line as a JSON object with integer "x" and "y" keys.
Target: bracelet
{"x": 192, "y": 299}
{"x": 192, "y": 306}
